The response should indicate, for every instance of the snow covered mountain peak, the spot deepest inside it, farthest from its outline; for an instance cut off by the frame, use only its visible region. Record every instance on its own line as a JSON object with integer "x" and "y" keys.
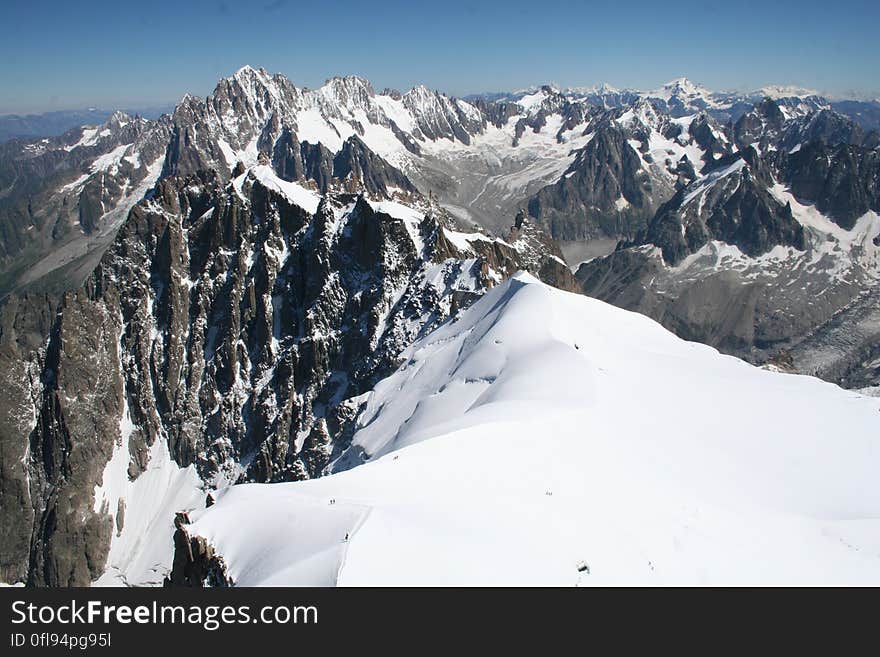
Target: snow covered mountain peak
{"x": 247, "y": 70}
{"x": 683, "y": 89}
{"x": 682, "y": 96}
{"x": 255, "y": 82}
{"x": 547, "y": 98}
{"x": 683, "y": 85}
{"x": 118, "y": 119}
{"x": 422, "y": 96}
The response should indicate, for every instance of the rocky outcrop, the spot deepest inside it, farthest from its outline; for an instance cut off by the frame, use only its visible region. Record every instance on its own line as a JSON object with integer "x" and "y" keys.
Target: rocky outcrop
{"x": 439, "y": 117}
{"x": 373, "y": 174}
{"x": 355, "y": 166}
{"x": 540, "y": 254}
{"x": 709, "y": 136}
{"x": 605, "y": 192}
{"x": 759, "y": 128}
{"x": 842, "y": 180}
{"x": 731, "y": 205}
{"x": 196, "y": 563}
{"x": 825, "y": 126}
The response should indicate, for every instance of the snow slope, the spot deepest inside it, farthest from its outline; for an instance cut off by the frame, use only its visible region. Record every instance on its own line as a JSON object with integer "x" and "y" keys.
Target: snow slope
{"x": 543, "y": 432}
{"x": 139, "y": 554}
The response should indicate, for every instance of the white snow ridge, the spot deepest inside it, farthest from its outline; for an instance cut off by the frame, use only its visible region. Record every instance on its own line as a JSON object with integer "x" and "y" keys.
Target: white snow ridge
{"x": 546, "y": 438}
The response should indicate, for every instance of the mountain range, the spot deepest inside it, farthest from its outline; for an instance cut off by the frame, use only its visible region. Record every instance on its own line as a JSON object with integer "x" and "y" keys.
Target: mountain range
{"x": 232, "y": 292}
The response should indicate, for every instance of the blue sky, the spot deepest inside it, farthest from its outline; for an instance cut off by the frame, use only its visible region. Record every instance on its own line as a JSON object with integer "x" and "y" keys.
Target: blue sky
{"x": 58, "y": 55}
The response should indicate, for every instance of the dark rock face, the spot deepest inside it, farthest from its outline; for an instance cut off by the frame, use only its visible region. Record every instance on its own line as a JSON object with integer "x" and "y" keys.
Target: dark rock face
{"x": 24, "y": 324}
{"x": 356, "y": 161}
{"x": 496, "y": 113}
{"x": 248, "y": 100}
{"x": 753, "y": 221}
{"x": 761, "y": 126}
{"x": 63, "y": 418}
{"x": 825, "y": 126}
{"x": 355, "y": 165}
{"x": 707, "y": 137}
{"x": 294, "y": 161}
{"x": 251, "y": 337}
{"x": 843, "y": 180}
{"x": 538, "y": 253}
{"x": 582, "y": 204}
{"x": 733, "y": 207}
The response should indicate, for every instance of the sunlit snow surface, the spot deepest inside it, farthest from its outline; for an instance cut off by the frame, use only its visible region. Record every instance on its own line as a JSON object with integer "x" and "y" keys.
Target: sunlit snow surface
{"x": 542, "y": 431}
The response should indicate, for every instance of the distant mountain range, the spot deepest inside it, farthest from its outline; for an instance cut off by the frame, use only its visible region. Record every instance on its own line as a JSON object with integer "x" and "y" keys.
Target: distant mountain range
{"x": 53, "y": 124}
{"x": 682, "y": 96}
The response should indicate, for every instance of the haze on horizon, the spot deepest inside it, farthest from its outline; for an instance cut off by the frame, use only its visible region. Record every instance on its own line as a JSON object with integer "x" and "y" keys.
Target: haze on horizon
{"x": 104, "y": 54}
